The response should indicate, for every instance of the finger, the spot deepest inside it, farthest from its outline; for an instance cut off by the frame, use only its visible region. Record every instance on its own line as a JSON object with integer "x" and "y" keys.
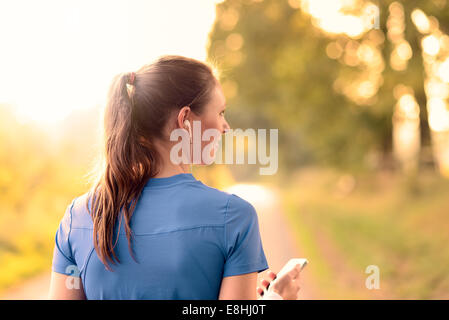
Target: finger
{"x": 271, "y": 275}
{"x": 259, "y": 291}
{"x": 265, "y": 283}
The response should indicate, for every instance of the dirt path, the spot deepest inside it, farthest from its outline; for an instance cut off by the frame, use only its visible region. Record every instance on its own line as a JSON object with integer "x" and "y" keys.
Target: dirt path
{"x": 33, "y": 289}
{"x": 277, "y": 240}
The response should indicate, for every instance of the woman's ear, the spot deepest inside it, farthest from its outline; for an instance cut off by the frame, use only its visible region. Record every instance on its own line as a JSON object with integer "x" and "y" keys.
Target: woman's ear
{"x": 183, "y": 115}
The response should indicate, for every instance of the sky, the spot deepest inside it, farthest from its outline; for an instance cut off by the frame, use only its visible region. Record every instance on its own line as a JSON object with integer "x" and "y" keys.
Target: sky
{"x": 58, "y": 56}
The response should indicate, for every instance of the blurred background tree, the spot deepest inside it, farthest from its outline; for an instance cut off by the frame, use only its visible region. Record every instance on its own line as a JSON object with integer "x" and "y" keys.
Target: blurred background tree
{"x": 329, "y": 77}
{"x": 359, "y": 91}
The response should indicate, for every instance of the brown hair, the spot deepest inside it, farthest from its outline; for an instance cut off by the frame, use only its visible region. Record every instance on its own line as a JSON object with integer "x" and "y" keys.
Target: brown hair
{"x": 133, "y": 118}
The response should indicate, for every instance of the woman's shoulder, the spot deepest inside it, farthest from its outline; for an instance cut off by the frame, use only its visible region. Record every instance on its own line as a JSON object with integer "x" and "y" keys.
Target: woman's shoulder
{"x": 80, "y": 216}
{"x": 211, "y": 191}
{"x": 228, "y": 203}
{"x": 230, "y": 198}
{"x": 205, "y": 197}
{"x": 235, "y": 205}
{"x": 239, "y": 207}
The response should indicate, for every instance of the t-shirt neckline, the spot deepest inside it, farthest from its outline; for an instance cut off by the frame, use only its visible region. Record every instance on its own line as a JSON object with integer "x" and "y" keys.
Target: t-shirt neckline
{"x": 172, "y": 180}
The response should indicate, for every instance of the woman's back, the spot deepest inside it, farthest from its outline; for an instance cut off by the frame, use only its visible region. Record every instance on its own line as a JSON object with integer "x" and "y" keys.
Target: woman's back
{"x": 187, "y": 237}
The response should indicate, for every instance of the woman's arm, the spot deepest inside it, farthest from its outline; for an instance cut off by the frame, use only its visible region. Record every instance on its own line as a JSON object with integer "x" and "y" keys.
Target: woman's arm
{"x": 241, "y": 287}
{"x": 64, "y": 287}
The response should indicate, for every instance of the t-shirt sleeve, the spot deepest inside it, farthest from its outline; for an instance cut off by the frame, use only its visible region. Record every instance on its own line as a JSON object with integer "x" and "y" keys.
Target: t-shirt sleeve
{"x": 63, "y": 261}
{"x": 244, "y": 251}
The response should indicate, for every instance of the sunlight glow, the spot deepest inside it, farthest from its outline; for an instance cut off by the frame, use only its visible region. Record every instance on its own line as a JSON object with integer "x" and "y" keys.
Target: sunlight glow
{"x": 435, "y": 55}
{"x": 402, "y": 51}
{"x": 436, "y": 89}
{"x": 431, "y": 45}
{"x": 408, "y": 106}
{"x": 443, "y": 71}
{"x": 257, "y": 195}
{"x": 438, "y": 114}
{"x": 59, "y": 56}
{"x": 421, "y": 21}
{"x": 330, "y": 16}
{"x": 406, "y": 128}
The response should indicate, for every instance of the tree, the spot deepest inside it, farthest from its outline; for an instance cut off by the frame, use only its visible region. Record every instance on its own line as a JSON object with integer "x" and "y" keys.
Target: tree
{"x": 330, "y": 92}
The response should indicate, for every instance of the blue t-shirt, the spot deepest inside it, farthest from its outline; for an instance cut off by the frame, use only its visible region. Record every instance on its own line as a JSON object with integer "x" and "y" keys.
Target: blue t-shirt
{"x": 187, "y": 237}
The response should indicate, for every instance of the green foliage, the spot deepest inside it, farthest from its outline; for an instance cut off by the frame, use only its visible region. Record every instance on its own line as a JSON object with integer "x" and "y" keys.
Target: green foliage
{"x": 380, "y": 222}
{"x": 39, "y": 176}
{"x": 279, "y": 76}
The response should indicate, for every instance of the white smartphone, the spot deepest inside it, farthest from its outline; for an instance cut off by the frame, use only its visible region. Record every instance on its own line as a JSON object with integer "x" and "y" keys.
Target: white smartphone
{"x": 293, "y": 267}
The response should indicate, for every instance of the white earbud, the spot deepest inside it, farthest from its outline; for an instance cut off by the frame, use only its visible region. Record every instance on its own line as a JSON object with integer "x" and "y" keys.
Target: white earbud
{"x": 187, "y": 124}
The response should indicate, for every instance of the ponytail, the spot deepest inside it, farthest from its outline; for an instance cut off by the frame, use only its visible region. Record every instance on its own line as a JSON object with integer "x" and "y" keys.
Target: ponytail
{"x": 137, "y": 111}
{"x": 127, "y": 169}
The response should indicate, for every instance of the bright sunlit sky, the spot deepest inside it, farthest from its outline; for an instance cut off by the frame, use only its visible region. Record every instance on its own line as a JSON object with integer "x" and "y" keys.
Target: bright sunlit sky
{"x": 57, "y": 56}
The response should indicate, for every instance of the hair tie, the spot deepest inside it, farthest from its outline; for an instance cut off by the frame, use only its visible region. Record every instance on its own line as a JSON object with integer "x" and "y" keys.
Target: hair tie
{"x": 132, "y": 76}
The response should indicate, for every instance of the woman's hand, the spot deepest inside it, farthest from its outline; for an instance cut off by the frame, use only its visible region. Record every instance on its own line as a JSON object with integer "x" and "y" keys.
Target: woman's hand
{"x": 265, "y": 283}
{"x": 285, "y": 286}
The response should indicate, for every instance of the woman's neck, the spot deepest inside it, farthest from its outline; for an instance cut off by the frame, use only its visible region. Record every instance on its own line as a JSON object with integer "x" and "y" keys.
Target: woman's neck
{"x": 169, "y": 169}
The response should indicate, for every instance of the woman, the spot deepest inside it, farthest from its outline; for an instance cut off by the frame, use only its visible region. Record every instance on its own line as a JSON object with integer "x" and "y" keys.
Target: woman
{"x": 148, "y": 229}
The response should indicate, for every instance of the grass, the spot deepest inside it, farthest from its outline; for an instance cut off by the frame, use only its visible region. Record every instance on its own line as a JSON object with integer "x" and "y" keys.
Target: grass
{"x": 29, "y": 217}
{"x": 30, "y": 258}
{"x": 399, "y": 224}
